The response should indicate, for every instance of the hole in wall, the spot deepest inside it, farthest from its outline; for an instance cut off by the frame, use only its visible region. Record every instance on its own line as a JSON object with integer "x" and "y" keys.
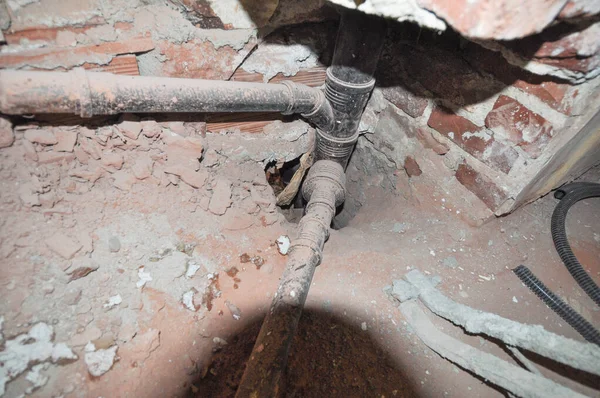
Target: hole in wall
{"x": 278, "y": 178}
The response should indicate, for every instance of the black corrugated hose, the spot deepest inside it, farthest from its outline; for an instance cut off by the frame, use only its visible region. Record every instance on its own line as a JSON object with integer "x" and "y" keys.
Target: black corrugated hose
{"x": 568, "y": 196}
{"x": 567, "y": 313}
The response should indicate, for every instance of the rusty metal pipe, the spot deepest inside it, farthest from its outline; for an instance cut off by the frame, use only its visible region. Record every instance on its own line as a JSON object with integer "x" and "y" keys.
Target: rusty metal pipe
{"x": 97, "y": 93}
{"x": 264, "y": 375}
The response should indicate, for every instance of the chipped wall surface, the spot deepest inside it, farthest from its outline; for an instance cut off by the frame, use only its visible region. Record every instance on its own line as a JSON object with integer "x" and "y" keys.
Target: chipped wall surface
{"x": 478, "y": 19}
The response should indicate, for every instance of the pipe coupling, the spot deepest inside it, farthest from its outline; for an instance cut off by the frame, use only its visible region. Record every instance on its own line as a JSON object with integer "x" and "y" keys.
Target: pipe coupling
{"x": 325, "y": 172}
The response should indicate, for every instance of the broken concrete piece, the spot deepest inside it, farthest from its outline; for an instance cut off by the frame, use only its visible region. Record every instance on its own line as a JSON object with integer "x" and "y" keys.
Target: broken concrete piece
{"x": 123, "y": 180}
{"x": 55, "y": 157}
{"x": 87, "y": 173}
{"x": 63, "y": 245}
{"x": 34, "y": 347}
{"x": 142, "y": 168}
{"x": 113, "y": 301}
{"x": 91, "y": 147}
{"x": 99, "y": 361}
{"x": 195, "y": 179}
{"x": 66, "y": 140}
{"x": 403, "y": 290}
{"x": 40, "y": 136}
{"x": 188, "y": 299}
{"x": 150, "y": 128}
{"x": 221, "y": 199}
{"x": 283, "y": 244}
{"x": 29, "y": 152}
{"x": 7, "y": 136}
{"x": 183, "y": 151}
{"x": 112, "y": 159}
{"x": 130, "y": 126}
{"x": 143, "y": 277}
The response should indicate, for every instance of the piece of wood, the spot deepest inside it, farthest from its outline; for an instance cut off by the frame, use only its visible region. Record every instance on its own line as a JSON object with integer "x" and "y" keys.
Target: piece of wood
{"x": 248, "y": 122}
{"x": 312, "y": 77}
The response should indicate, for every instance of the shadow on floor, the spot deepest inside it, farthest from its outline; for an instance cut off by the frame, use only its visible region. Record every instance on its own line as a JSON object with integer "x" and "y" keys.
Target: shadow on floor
{"x": 329, "y": 358}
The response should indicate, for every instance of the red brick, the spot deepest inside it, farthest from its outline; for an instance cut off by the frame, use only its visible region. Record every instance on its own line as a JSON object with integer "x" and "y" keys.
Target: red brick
{"x": 246, "y": 122}
{"x": 516, "y": 122}
{"x": 411, "y": 167}
{"x": 482, "y": 186}
{"x": 55, "y": 157}
{"x": 199, "y": 59}
{"x": 119, "y": 65}
{"x": 406, "y": 100}
{"x": 69, "y": 57}
{"x": 312, "y": 77}
{"x": 563, "y": 47}
{"x": 557, "y": 95}
{"x": 40, "y": 33}
{"x": 478, "y": 141}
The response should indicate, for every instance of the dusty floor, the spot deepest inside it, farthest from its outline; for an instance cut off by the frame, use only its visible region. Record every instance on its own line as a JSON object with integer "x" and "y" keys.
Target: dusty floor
{"x": 188, "y": 329}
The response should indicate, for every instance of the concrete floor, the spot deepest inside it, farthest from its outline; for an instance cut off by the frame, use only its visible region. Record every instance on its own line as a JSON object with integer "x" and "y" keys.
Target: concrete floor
{"x": 166, "y": 349}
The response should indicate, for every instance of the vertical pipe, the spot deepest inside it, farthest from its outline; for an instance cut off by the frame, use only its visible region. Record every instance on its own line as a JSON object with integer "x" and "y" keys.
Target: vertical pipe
{"x": 349, "y": 82}
{"x": 348, "y": 86}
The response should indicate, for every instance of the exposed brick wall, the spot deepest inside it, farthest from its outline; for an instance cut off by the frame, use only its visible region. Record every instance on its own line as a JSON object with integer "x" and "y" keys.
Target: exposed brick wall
{"x": 481, "y": 111}
{"x": 497, "y": 124}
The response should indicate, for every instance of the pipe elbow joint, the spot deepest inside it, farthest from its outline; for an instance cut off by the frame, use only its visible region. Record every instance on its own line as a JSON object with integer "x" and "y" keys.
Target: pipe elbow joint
{"x": 310, "y": 103}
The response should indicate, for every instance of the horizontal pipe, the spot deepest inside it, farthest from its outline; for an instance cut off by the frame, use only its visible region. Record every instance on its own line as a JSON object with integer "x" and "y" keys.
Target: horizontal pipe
{"x": 97, "y": 93}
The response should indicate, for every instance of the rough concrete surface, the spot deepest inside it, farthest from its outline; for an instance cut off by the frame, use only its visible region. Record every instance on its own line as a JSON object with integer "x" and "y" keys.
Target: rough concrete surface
{"x": 154, "y": 269}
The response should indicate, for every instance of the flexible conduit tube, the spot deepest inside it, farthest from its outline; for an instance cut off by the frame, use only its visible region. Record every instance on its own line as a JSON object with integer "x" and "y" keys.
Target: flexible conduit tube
{"x": 577, "y": 322}
{"x": 569, "y": 195}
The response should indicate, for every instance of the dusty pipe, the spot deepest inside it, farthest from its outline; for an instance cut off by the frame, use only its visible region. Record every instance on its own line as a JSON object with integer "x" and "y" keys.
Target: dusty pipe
{"x": 97, "y": 93}
{"x": 349, "y": 82}
{"x": 264, "y": 375}
{"x": 348, "y": 87}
